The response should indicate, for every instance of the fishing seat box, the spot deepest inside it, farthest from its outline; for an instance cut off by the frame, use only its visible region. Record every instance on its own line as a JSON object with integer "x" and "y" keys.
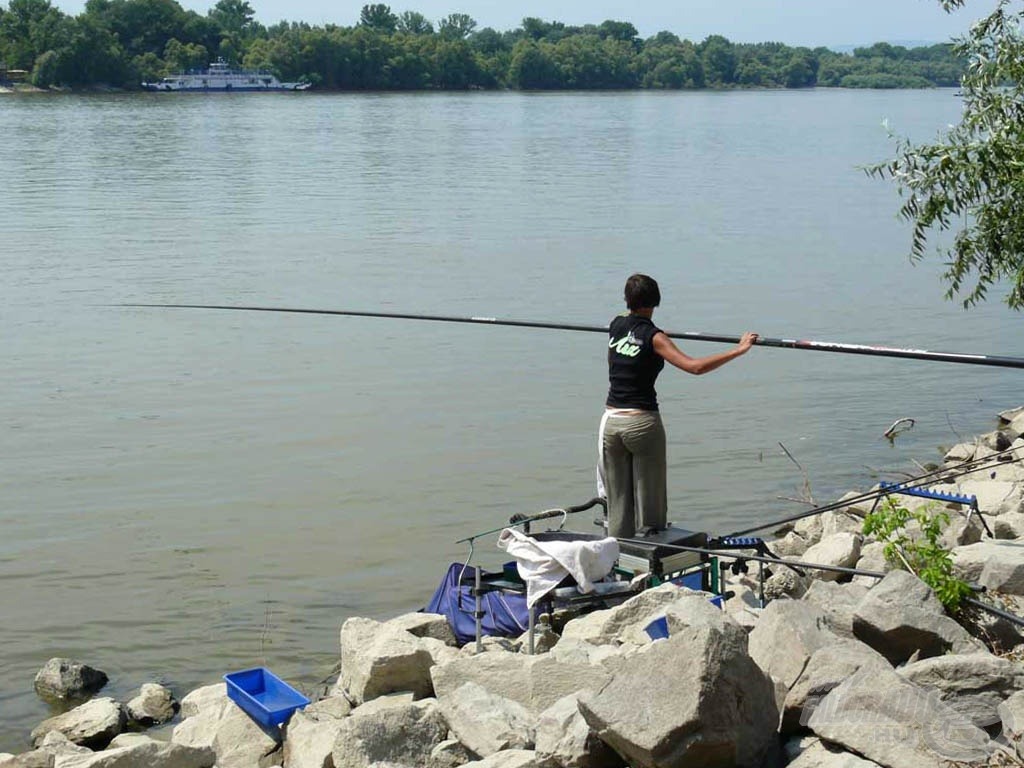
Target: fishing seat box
{"x": 654, "y": 553}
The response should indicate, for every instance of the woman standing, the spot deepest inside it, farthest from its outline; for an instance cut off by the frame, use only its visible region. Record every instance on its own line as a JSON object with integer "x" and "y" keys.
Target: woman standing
{"x": 633, "y": 472}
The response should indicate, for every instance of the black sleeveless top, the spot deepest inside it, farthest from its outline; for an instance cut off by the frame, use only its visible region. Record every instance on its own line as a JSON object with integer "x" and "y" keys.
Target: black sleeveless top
{"x": 633, "y": 365}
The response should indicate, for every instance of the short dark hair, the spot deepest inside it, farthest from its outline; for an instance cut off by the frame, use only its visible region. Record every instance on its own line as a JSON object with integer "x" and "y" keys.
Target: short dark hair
{"x": 642, "y": 292}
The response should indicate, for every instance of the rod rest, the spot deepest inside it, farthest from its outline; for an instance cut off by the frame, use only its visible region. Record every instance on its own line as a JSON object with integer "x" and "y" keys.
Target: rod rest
{"x": 926, "y": 494}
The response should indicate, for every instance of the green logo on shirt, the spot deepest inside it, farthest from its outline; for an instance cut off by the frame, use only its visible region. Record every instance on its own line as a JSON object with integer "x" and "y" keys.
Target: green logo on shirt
{"x": 629, "y": 345}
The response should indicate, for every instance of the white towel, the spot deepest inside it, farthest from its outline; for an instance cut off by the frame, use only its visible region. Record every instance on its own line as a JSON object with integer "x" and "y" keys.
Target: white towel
{"x": 543, "y": 564}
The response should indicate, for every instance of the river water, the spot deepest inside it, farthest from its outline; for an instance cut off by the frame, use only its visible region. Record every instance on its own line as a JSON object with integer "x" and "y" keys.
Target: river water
{"x": 187, "y": 493}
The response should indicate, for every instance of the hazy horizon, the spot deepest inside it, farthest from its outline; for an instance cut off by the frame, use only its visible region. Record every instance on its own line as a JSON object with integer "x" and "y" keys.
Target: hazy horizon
{"x": 830, "y": 23}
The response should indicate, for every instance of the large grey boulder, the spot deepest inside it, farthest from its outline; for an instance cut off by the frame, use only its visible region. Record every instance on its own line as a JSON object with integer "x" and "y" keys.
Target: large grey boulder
{"x": 564, "y": 740}
{"x": 1011, "y": 714}
{"x": 790, "y": 545}
{"x": 786, "y": 635}
{"x": 202, "y": 698}
{"x": 847, "y": 520}
{"x": 53, "y": 746}
{"x": 786, "y": 583}
{"x": 887, "y": 719}
{"x": 996, "y": 565}
{"x": 218, "y": 723}
{"x": 840, "y": 549}
{"x": 432, "y": 625}
{"x": 687, "y": 610}
{"x": 821, "y": 755}
{"x": 960, "y": 452}
{"x": 995, "y": 497}
{"x": 1010, "y": 414}
{"x": 607, "y": 627}
{"x": 397, "y": 736}
{"x": 838, "y": 601}
{"x": 377, "y": 658}
{"x": 695, "y": 698}
{"x": 487, "y": 723}
{"x": 901, "y": 615}
{"x": 511, "y": 758}
{"x": 1009, "y": 526}
{"x": 973, "y": 684}
{"x": 68, "y": 679}
{"x": 827, "y": 667}
{"x": 155, "y": 704}
{"x": 92, "y": 724}
{"x": 536, "y": 682}
{"x": 143, "y": 753}
{"x": 311, "y": 733}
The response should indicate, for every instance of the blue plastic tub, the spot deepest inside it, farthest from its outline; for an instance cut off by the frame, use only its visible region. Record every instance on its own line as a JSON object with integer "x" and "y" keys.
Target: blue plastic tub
{"x": 264, "y": 696}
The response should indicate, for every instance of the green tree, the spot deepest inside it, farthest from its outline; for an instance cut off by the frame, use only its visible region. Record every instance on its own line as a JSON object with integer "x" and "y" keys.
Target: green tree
{"x": 456, "y": 26}
{"x": 44, "y": 71}
{"x": 28, "y": 29}
{"x": 972, "y": 179}
{"x": 718, "y": 57}
{"x": 414, "y": 23}
{"x": 532, "y": 67}
{"x": 379, "y": 18}
{"x": 233, "y": 16}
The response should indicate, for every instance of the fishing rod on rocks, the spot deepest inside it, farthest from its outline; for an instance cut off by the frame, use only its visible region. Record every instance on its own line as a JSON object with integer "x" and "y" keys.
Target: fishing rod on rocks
{"x": 995, "y": 460}
{"x": 762, "y": 341}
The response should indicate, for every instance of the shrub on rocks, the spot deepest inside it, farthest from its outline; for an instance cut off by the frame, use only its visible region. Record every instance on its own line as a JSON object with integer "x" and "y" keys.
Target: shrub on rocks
{"x": 377, "y": 658}
{"x": 487, "y": 723}
{"x": 887, "y": 719}
{"x": 92, "y": 724}
{"x": 901, "y": 616}
{"x": 398, "y": 736}
{"x": 696, "y": 698}
{"x": 68, "y": 679}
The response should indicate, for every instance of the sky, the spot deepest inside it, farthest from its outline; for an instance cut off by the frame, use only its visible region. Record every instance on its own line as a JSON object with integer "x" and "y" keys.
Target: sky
{"x": 832, "y": 23}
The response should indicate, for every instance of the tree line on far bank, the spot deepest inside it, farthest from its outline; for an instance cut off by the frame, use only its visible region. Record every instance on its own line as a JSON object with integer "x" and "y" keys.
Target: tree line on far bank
{"x": 122, "y": 43}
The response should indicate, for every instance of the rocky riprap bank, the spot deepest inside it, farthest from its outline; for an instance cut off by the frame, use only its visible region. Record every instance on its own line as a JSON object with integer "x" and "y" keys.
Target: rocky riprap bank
{"x": 833, "y": 673}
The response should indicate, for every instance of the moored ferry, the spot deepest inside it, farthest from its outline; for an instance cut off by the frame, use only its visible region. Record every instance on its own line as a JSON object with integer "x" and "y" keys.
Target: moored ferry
{"x": 221, "y": 77}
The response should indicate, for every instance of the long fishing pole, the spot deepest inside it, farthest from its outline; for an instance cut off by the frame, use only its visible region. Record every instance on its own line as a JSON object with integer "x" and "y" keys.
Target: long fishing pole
{"x": 763, "y": 341}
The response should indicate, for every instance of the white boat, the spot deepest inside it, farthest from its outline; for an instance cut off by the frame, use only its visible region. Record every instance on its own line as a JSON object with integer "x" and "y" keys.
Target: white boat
{"x": 221, "y": 77}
